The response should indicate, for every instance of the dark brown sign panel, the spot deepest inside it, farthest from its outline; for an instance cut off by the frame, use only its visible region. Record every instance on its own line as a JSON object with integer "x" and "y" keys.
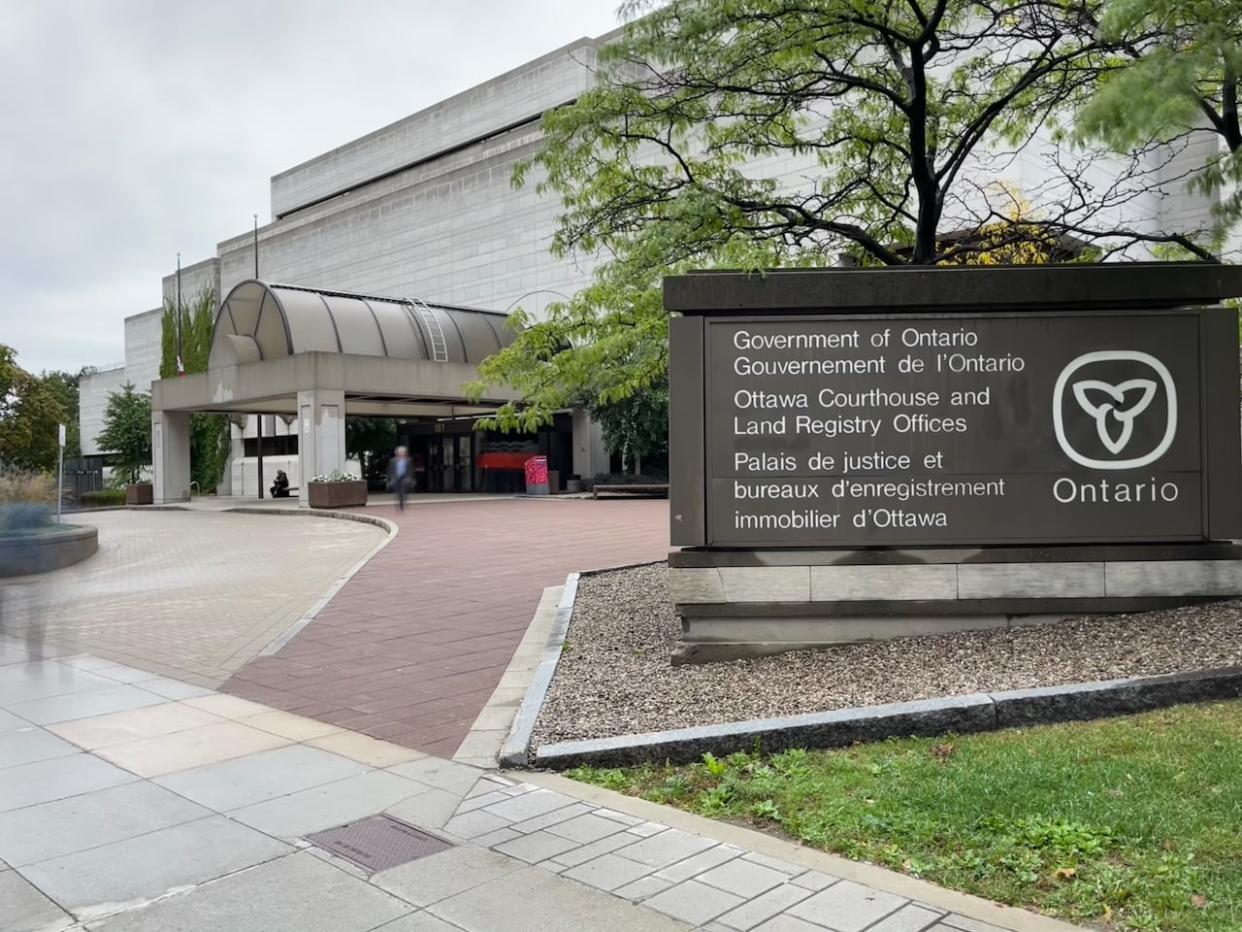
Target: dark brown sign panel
{"x": 1067, "y": 426}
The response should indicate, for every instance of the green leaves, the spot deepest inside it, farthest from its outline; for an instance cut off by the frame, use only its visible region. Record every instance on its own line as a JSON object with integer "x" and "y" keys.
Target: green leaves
{"x": 209, "y": 433}
{"x": 1177, "y": 76}
{"x": 31, "y": 408}
{"x": 126, "y": 433}
{"x": 767, "y": 133}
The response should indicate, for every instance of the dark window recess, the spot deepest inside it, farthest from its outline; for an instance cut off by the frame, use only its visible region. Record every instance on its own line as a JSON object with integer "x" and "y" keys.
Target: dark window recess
{"x": 272, "y": 446}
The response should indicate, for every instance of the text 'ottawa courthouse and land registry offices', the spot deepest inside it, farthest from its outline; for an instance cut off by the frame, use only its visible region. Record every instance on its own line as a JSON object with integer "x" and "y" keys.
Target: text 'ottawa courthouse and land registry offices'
{"x": 992, "y": 428}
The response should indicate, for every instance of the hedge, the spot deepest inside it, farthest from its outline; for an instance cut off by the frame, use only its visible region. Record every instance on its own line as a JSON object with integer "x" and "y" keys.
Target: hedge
{"x": 103, "y": 498}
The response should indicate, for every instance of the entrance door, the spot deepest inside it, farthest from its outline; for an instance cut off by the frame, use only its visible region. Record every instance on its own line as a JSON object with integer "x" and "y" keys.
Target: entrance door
{"x": 449, "y": 461}
{"x": 465, "y": 463}
{"x": 448, "y": 464}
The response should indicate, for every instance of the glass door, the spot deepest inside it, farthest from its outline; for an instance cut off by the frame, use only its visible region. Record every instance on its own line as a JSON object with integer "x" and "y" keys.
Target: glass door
{"x": 465, "y": 463}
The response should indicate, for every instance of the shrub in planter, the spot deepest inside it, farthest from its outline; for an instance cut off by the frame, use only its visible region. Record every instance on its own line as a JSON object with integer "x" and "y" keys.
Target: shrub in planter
{"x": 336, "y": 490}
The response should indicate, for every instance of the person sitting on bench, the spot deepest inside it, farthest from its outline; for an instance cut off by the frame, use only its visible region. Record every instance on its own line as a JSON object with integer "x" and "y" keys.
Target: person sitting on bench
{"x": 280, "y": 488}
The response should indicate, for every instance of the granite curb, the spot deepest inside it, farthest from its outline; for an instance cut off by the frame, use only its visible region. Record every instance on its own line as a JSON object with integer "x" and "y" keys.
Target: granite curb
{"x": 515, "y": 751}
{"x": 929, "y": 717}
{"x": 383, "y": 523}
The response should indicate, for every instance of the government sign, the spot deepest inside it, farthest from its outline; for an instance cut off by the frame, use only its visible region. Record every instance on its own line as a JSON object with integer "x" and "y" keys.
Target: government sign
{"x": 829, "y": 427}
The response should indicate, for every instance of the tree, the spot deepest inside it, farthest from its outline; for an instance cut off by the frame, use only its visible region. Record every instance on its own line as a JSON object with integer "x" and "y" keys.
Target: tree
{"x": 126, "y": 433}
{"x": 30, "y": 415}
{"x": 1179, "y": 77}
{"x": 636, "y": 426}
{"x": 64, "y": 387}
{"x": 904, "y": 111}
{"x": 209, "y": 433}
{"x": 367, "y": 438}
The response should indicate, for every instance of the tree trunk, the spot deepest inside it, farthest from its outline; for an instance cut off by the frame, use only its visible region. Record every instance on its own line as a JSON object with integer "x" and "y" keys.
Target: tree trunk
{"x": 922, "y": 165}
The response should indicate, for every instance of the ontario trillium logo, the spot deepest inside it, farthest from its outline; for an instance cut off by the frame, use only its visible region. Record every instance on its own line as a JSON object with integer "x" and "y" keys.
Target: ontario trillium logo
{"x": 1126, "y": 412}
{"x": 1114, "y": 407}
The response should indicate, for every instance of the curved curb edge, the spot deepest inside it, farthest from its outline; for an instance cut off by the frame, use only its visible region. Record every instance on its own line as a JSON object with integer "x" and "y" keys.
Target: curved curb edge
{"x": 274, "y": 645}
{"x": 960, "y": 714}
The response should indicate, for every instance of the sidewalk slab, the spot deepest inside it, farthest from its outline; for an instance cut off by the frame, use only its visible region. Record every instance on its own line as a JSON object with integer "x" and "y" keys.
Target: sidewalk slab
{"x": 48, "y": 780}
{"x": 227, "y": 844}
{"x": 327, "y": 806}
{"x": 258, "y": 777}
{"x": 26, "y": 909}
{"x": 299, "y": 892}
{"x": 51, "y": 830}
{"x": 532, "y": 900}
{"x": 152, "y": 865}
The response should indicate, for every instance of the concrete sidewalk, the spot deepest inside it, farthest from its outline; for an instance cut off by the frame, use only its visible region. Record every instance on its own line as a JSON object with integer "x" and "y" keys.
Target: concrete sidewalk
{"x": 132, "y": 802}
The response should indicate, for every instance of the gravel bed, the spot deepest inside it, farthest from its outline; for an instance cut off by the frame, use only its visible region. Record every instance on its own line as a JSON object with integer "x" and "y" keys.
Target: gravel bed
{"x": 615, "y": 677}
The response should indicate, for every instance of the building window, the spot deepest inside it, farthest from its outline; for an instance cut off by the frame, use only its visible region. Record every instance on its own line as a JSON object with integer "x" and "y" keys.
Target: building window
{"x": 272, "y": 446}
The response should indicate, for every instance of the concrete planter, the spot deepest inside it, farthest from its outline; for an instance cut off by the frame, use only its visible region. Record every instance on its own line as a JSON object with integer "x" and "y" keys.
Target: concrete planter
{"x": 139, "y": 493}
{"x": 46, "y": 549}
{"x": 337, "y": 494}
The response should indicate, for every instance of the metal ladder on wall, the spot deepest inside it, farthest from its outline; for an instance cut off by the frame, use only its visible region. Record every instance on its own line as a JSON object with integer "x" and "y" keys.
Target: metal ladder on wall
{"x": 435, "y": 334}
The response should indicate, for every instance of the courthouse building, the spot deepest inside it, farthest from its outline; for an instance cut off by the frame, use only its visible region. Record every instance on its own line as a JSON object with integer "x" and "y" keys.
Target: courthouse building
{"x": 422, "y": 215}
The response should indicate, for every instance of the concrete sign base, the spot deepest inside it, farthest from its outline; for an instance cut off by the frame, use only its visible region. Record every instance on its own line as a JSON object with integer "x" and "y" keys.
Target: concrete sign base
{"x": 859, "y": 453}
{"x": 737, "y": 604}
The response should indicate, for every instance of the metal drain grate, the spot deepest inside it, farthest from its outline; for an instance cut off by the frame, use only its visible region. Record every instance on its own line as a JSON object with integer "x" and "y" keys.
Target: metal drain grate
{"x": 379, "y": 842}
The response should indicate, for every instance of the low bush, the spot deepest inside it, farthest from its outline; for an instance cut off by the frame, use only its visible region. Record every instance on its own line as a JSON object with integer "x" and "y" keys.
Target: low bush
{"x": 103, "y": 498}
{"x": 18, "y": 487}
{"x": 24, "y": 516}
{"x": 336, "y": 476}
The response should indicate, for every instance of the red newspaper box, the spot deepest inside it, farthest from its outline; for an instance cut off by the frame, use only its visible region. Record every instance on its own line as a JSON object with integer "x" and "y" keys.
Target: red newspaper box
{"x": 537, "y": 475}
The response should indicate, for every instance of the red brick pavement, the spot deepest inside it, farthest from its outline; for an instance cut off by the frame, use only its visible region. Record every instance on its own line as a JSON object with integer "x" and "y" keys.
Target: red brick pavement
{"x": 412, "y": 646}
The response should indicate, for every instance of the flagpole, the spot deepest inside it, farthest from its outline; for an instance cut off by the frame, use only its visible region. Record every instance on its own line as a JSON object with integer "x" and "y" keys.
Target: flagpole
{"x": 258, "y": 418}
{"x": 179, "y": 348}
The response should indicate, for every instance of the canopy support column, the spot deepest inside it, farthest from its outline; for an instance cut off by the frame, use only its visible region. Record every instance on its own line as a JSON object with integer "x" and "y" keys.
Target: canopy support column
{"x": 321, "y": 436}
{"x": 170, "y": 452}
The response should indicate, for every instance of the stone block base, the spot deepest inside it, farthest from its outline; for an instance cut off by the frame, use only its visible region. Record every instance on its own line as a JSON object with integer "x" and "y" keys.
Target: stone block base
{"x": 745, "y": 603}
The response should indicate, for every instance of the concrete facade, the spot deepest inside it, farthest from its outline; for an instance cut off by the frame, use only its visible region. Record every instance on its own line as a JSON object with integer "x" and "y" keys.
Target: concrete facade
{"x": 93, "y": 392}
{"x": 425, "y": 208}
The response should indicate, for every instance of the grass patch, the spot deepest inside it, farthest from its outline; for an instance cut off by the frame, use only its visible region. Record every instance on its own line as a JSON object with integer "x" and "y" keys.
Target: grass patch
{"x": 1132, "y": 823}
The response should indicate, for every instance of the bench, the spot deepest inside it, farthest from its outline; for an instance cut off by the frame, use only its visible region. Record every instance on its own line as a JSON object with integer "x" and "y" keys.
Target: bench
{"x": 631, "y": 490}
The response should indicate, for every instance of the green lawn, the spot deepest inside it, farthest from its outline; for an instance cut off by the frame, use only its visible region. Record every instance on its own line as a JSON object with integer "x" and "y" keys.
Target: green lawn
{"x": 1131, "y": 823}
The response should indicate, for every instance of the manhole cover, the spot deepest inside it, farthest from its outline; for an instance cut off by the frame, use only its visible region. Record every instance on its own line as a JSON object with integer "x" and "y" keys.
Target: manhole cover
{"x": 379, "y": 842}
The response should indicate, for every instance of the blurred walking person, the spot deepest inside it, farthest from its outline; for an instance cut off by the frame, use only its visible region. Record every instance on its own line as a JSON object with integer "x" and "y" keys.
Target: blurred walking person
{"x": 400, "y": 472}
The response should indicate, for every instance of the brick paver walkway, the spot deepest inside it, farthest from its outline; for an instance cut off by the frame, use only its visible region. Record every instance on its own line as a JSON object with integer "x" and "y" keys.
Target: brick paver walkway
{"x": 413, "y": 645}
{"x": 187, "y": 595}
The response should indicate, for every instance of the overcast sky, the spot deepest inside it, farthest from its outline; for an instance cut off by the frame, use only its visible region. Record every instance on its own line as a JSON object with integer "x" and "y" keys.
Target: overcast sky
{"x": 134, "y": 130}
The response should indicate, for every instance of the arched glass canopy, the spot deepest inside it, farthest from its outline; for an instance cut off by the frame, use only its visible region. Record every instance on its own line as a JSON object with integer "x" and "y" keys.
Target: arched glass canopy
{"x": 258, "y": 321}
